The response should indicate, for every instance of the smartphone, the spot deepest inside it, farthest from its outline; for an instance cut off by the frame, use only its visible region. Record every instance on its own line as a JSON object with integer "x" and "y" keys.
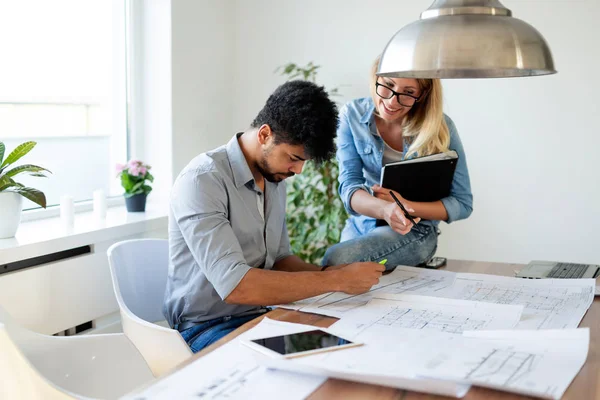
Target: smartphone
{"x": 435, "y": 262}
{"x": 300, "y": 344}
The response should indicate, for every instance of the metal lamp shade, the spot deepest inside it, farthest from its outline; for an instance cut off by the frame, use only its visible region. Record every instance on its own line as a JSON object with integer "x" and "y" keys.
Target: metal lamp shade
{"x": 455, "y": 40}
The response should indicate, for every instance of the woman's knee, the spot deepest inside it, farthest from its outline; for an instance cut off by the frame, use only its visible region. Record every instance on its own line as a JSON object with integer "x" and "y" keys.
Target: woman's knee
{"x": 342, "y": 253}
{"x": 413, "y": 253}
{"x": 332, "y": 255}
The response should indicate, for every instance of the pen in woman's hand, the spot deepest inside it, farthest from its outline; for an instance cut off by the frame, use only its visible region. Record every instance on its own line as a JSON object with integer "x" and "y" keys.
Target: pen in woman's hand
{"x": 406, "y": 214}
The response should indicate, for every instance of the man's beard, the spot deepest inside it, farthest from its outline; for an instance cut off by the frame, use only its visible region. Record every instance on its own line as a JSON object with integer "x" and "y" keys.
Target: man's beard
{"x": 265, "y": 170}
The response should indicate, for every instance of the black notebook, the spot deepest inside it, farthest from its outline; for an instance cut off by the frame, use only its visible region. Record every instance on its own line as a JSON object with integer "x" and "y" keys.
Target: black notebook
{"x": 426, "y": 178}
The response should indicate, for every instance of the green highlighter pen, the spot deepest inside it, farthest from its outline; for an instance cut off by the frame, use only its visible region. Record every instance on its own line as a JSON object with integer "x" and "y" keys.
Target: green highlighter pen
{"x": 382, "y": 262}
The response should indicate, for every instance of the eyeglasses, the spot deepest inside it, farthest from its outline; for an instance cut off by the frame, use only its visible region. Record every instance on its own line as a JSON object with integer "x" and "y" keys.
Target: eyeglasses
{"x": 404, "y": 99}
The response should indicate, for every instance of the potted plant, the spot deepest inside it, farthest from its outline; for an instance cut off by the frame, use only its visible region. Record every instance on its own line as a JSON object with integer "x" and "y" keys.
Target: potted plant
{"x": 12, "y": 192}
{"x": 133, "y": 176}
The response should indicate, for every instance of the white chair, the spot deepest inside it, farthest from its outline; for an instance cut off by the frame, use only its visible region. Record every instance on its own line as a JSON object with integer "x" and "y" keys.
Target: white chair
{"x": 41, "y": 367}
{"x": 139, "y": 274}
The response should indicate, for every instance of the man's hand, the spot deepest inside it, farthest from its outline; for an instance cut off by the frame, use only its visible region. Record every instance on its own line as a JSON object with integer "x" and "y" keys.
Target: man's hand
{"x": 359, "y": 277}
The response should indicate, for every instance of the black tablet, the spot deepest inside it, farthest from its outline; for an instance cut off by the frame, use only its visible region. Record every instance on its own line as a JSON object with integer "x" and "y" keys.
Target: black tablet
{"x": 300, "y": 344}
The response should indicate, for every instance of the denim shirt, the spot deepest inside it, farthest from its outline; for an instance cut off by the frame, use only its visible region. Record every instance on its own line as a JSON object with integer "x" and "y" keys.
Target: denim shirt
{"x": 360, "y": 156}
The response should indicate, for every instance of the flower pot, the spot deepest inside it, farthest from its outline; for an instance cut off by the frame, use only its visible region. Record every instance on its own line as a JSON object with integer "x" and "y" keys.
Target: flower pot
{"x": 10, "y": 213}
{"x": 136, "y": 203}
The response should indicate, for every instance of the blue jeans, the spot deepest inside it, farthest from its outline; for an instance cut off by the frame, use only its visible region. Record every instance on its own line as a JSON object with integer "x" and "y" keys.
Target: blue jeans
{"x": 205, "y": 333}
{"x": 415, "y": 247}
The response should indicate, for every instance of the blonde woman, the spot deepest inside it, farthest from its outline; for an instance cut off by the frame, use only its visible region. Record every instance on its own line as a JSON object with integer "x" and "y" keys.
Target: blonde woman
{"x": 402, "y": 119}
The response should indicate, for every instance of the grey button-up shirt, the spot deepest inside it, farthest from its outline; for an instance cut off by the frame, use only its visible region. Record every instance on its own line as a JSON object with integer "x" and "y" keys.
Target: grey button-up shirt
{"x": 217, "y": 233}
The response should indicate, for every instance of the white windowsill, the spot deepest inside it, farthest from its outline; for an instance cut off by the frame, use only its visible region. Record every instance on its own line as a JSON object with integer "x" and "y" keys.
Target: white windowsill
{"x": 50, "y": 235}
{"x": 79, "y": 207}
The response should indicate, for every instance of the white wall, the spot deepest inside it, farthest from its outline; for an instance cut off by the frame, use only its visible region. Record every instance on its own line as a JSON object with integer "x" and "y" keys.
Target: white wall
{"x": 202, "y": 54}
{"x": 182, "y": 79}
{"x": 530, "y": 142}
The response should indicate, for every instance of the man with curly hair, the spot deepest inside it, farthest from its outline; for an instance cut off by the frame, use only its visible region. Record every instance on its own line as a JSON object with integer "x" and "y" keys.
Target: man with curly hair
{"x": 229, "y": 248}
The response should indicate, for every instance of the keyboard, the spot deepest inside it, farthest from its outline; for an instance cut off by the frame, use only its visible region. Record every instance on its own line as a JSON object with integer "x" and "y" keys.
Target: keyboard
{"x": 568, "y": 271}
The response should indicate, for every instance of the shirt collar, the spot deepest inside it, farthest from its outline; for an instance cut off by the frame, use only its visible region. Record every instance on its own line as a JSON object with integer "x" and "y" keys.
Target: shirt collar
{"x": 241, "y": 171}
{"x": 367, "y": 116}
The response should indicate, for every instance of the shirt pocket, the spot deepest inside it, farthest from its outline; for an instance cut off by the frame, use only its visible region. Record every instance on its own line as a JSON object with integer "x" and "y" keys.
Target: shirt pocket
{"x": 368, "y": 154}
{"x": 364, "y": 148}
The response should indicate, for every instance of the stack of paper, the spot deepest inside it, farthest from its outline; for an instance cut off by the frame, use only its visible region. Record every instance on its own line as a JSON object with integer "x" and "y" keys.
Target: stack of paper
{"x": 458, "y": 333}
{"x": 535, "y": 363}
{"x": 429, "y": 331}
{"x": 548, "y": 303}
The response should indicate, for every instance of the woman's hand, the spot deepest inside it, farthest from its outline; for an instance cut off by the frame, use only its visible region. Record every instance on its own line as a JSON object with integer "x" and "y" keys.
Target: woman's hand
{"x": 395, "y": 218}
{"x": 384, "y": 194}
{"x": 393, "y": 214}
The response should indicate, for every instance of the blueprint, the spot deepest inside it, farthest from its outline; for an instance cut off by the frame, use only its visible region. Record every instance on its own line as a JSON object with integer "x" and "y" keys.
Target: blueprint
{"x": 549, "y": 303}
{"x": 402, "y": 279}
{"x": 233, "y": 371}
{"x": 297, "y": 305}
{"x": 398, "y": 311}
{"x": 534, "y": 363}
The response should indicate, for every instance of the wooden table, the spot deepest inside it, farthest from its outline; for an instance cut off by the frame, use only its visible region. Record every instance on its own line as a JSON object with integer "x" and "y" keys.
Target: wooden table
{"x": 586, "y": 384}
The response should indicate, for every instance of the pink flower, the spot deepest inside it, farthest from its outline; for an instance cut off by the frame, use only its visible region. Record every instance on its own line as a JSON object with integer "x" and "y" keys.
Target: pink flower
{"x": 135, "y": 170}
{"x": 134, "y": 163}
{"x": 143, "y": 170}
{"x": 120, "y": 167}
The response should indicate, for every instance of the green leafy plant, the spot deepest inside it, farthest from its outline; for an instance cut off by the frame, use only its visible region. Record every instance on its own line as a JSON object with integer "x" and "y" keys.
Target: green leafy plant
{"x": 133, "y": 176}
{"x": 8, "y": 184}
{"x": 315, "y": 213}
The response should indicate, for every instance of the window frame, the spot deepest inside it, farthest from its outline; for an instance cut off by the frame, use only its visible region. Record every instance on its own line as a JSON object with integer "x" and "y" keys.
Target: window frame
{"x": 124, "y": 48}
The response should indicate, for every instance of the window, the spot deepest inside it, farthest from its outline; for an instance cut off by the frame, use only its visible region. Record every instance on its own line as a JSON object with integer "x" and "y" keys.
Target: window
{"x": 63, "y": 84}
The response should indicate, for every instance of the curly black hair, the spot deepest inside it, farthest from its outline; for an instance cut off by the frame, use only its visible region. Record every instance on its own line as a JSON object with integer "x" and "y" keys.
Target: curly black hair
{"x": 300, "y": 112}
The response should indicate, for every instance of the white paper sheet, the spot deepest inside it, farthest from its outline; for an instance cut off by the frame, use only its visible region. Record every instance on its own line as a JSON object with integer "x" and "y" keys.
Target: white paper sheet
{"x": 535, "y": 363}
{"x": 372, "y": 363}
{"x": 233, "y": 371}
{"x": 395, "y": 311}
{"x": 402, "y": 279}
{"x": 549, "y": 303}
{"x": 297, "y": 305}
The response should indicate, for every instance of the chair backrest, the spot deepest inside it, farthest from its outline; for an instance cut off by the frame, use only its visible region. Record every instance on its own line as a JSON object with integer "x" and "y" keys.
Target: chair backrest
{"x": 19, "y": 333}
{"x": 20, "y": 379}
{"x": 139, "y": 268}
{"x": 38, "y": 366}
{"x": 139, "y": 273}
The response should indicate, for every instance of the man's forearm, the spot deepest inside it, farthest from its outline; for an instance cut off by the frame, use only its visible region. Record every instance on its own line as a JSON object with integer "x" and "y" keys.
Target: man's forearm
{"x": 294, "y": 264}
{"x": 260, "y": 287}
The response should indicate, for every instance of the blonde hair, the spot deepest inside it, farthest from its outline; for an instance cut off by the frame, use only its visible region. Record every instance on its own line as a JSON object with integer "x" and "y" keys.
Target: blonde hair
{"x": 424, "y": 126}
